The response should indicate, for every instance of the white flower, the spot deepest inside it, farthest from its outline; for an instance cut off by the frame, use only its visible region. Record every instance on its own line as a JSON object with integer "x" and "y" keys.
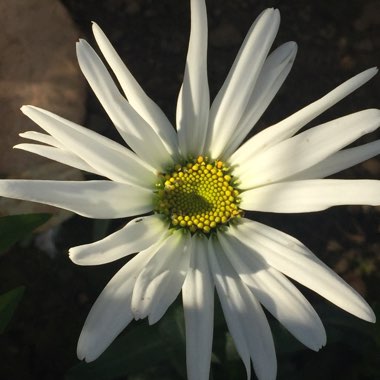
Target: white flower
{"x": 196, "y": 183}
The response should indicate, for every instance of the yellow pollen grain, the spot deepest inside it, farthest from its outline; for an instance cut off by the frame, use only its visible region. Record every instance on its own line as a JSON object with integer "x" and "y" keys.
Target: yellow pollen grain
{"x": 198, "y": 196}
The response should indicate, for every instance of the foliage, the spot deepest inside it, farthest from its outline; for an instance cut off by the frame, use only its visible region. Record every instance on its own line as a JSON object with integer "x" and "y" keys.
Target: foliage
{"x": 16, "y": 227}
{"x": 12, "y": 229}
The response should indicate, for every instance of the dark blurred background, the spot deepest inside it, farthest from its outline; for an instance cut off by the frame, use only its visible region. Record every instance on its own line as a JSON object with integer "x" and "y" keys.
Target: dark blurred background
{"x": 336, "y": 40}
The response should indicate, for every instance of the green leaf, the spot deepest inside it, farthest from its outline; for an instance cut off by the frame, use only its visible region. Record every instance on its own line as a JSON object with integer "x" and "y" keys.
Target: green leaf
{"x": 157, "y": 351}
{"x": 138, "y": 349}
{"x": 8, "y": 304}
{"x": 124, "y": 356}
{"x": 346, "y": 328}
{"x": 15, "y": 227}
{"x": 100, "y": 228}
{"x": 172, "y": 333}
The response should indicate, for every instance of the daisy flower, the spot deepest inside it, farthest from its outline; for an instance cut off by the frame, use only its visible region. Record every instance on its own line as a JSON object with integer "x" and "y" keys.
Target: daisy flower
{"x": 188, "y": 189}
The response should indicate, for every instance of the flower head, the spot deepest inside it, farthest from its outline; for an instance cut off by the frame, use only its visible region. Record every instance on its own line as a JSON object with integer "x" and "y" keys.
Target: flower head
{"x": 191, "y": 188}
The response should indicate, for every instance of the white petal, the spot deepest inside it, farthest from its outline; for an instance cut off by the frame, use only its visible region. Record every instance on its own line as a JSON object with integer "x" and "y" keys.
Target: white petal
{"x": 138, "y": 134}
{"x": 57, "y": 154}
{"x": 198, "y": 305}
{"x": 311, "y": 195}
{"x": 273, "y": 74}
{"x": 43, "y": 138}
{"x": 110, "y": 159}
{"x": 138, "y": 99}
{"x": 167, "y": 294}
{"x": 340, "y": 161}
{"x": 161, "y": 280}
{"x": 292, "y": 258}
{"x": 111, "y": 312}
{"x": 231, "y": 101}
{"x": 276, "y": 293}
{"x": 194, "y": 97}
{"x": 244, "y": 316}
{"x": 137, "y": 235}
{"x": 227, "y": 297}
{"x": 94, "y": 199}
{"x": 292, "y": 124}
{"x": 306, "y": 149}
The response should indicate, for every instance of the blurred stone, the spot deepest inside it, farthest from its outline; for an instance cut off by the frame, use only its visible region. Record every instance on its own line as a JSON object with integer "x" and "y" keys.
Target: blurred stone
{"x": 46, "y": 170}
{"x": 39, "y": 67}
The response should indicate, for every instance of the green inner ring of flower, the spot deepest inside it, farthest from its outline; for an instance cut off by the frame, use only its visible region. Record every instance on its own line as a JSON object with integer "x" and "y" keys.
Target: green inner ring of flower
{"x": 199, "y": 195}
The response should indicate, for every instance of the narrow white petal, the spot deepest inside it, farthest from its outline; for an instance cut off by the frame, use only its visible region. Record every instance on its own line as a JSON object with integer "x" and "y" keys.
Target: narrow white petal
{"x": 198, "y": 305}
{"x": 110, "y": 159}
{"x": 292, "y": 258}
{"x": 339, "y": 161}
{"x": 43, "y": 138}
{"x": 194, "y": 97}
{"x": 244, "y": 316}
{"x": 138, "y": 134}
{"x": 231, "y": 101}
{"x": 161, "y": 280}
{"x": 273, "y": 74}
{"x": 137, "y": 98}
{"x": 111, "y": 312}
{"x": 94, "y": 199}
{"x": 226, "y": 299}
{"x": 306, "y": 149}
{"x": 166, "y": 295}
{"x": 57, "y": 154}
{"x": 137, "y": 235}
{"x": 276, "y": 293}
{"x": 311, "y": 195}
{"x": 292, "y": 124}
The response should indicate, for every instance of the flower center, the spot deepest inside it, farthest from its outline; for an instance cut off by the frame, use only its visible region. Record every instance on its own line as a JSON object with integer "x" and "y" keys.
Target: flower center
{"x": 199, "y": 195}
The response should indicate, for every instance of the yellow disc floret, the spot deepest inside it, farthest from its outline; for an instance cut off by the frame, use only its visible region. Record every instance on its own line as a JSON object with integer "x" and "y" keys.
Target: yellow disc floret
{"x": 199, "y": 195}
